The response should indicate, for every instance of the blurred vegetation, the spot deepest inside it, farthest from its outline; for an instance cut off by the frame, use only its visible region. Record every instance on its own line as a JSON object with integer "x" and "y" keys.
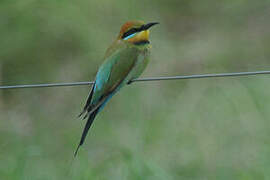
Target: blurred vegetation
{"x": 196, "y": 129}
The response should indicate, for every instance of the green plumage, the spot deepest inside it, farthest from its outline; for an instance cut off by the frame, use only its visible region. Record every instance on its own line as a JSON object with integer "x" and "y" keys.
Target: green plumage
{"x": 123, "y": 62}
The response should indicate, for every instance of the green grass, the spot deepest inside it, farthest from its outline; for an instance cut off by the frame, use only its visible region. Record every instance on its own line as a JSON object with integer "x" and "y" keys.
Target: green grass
{"x": 186, "y": 129}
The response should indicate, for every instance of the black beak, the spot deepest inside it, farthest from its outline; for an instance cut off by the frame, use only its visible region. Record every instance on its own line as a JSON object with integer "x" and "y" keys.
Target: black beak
{"x": 147, "y": 26}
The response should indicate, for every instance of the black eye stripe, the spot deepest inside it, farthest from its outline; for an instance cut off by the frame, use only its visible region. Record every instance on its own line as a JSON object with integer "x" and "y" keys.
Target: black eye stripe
{"x": 129, "y": 32}
{"x": 132, "y": 31}
{"x": 142, "y": 28}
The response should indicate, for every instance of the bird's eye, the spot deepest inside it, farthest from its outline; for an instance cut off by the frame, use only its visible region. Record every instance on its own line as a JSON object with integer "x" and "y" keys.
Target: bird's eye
{"x": 129, "y": 36}
{"x": 130, "y": 33}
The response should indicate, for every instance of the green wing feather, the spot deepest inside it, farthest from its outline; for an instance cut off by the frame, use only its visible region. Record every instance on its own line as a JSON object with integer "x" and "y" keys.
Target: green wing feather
{"x": 123, "y": 62}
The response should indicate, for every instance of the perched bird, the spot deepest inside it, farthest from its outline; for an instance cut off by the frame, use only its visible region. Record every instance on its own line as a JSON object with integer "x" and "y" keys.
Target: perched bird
{"x": 124, "y": 60}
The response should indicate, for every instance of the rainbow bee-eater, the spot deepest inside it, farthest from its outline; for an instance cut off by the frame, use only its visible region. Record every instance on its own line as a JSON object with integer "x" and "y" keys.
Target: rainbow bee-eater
{"x": 124, "y": 60}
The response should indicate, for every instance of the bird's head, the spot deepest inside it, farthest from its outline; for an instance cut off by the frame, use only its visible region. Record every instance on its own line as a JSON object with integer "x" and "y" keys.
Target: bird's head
{"x": 136, "y": 32}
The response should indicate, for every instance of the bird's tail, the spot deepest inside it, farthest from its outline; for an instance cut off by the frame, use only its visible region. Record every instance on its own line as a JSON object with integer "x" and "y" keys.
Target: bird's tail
{"x": 86, "y": 129}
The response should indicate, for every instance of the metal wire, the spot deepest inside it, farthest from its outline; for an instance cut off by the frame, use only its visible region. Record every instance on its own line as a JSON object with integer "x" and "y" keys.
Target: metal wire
{"x": 45, "y": 85}
{"x": 197, "y": 76}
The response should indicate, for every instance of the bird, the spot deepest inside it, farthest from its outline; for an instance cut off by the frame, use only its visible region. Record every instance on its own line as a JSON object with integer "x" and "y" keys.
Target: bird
{"x": 124, "y": 60}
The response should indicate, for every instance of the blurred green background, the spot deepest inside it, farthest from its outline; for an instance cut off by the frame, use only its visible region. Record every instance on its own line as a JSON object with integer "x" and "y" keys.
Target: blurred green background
{"x": 187, "y": 129}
